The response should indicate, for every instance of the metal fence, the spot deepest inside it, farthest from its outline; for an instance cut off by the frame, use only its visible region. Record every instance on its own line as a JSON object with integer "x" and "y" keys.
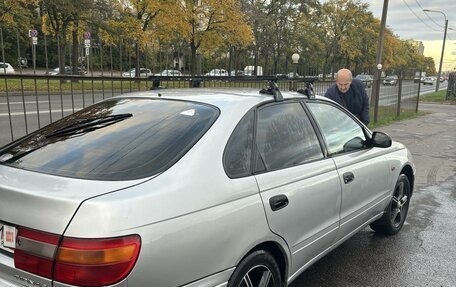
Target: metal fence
{"x": 31, "y": 101}
{"x": 36, "y": 94}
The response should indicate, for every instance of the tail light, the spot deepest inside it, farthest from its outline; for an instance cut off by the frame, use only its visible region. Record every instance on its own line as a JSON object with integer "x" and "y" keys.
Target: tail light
{"x": 35, "y": 251}
{"x": 76, "y": 261}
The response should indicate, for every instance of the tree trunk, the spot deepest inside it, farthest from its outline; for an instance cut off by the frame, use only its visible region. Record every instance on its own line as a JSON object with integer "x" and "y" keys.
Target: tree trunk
{"x": 138, "y": 63}
{"x": 75, "y": 48}
{"x": 193, "y": 59}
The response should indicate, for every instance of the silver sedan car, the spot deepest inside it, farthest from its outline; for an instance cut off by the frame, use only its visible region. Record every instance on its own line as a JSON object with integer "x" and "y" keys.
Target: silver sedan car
{"x": 194, "y": 187}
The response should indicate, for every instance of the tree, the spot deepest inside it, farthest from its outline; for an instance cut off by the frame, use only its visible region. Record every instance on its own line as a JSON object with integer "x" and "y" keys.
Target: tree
{"x": 18, "y": 16}
{"x": 137, "y": 22}
{"x": 347, "y": 31}
{"x": 61, "y": 18}
{"x": 208, "y": 24}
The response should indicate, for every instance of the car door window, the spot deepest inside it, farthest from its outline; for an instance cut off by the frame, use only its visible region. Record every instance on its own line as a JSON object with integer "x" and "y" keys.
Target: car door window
{"x": 341, "y": 132}
{"x": 237, "y": 158}
{"x": 285, "y": 137}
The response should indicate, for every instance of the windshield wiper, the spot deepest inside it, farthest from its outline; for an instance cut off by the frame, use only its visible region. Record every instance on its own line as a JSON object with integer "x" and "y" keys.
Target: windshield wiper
{"x": 89, "y": 125}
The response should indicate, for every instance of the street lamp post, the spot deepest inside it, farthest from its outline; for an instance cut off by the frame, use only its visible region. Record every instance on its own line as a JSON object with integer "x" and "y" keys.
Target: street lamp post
{"x": 437, "y": 84}
{"x": 295, "y": 60}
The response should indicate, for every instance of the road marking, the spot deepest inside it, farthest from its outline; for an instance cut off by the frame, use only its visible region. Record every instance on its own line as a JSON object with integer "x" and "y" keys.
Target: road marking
{"x": 34, "y": 112}
{"x": 20, "y": 103}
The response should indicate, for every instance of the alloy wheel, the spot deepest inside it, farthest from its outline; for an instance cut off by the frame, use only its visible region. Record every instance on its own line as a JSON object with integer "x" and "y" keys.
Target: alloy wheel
{"x": 258, "y": 276}
{"x": 399, "y": 205}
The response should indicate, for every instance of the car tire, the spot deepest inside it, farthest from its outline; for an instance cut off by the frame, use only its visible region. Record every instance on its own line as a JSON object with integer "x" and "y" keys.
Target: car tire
{"x": 394, "y": 217}
{"x": 259, "y": 268}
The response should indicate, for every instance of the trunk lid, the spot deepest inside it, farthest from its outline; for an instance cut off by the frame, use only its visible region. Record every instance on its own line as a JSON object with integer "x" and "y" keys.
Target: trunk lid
{"x": 46, "y": 202}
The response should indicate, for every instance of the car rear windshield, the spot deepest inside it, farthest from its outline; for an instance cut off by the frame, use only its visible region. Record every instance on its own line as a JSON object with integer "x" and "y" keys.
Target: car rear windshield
{"x": 117, "y": 139}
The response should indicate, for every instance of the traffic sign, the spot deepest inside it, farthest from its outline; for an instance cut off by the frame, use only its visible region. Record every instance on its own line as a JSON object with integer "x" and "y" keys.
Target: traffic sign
{"x": 87, "y": 51}
{"x": 87, "y": 35}
{"x": 33, "y": 33}
{"x": 35, "y": 40}
{"x": 22, "y": 62}
{"x": 87, "y": 43}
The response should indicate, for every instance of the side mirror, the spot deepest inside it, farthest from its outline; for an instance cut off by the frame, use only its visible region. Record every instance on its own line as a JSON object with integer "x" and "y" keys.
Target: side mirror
{"x": 355, "y": 143}
{"x": 380, "y": 139}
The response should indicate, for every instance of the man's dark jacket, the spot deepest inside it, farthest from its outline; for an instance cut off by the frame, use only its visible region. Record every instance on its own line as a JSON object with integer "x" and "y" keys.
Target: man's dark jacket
{"x": 355, "y": 99}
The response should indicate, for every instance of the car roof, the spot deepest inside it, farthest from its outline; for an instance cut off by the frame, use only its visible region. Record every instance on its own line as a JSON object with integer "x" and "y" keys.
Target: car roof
{"x": 226, "y": 99}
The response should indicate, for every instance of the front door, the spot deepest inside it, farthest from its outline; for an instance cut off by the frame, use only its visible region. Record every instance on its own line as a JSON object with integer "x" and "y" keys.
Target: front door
{"x": 363, "y": 170}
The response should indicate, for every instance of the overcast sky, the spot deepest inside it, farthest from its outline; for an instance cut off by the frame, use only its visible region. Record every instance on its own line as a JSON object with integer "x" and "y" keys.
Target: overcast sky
{"x": 407, "y": 20}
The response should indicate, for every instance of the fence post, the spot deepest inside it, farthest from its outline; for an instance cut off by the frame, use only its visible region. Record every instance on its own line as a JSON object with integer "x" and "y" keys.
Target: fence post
{"x": 451, "y": 89}
{"x": 6, "y": 85}
{"x": 419, "y": 91}
{"x": 399, "y": 95}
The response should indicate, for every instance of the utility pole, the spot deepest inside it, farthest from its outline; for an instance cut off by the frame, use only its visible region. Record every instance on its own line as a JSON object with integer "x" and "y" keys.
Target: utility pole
{"x": 437, "y": 84}
{"x": 378, "y": 71}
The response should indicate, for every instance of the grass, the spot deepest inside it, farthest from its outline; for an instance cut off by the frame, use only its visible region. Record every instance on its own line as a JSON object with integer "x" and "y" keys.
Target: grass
{"x": 16, "y": 85}
{"x": 388, "y": 116}
{"x": 437, "y": 97}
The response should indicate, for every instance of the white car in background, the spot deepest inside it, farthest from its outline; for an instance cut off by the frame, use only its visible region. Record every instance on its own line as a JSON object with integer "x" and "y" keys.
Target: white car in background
{"x": 169, "y": 73}
{"x": 428, "y": 81}
{"x": 143, "y": 73}
{"x": 6, "y": 68}
{"x": 217, "y": 73}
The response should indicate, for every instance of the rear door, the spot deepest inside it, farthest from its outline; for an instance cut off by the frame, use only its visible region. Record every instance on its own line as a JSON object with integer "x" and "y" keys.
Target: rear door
{"x": 299, "y": 187}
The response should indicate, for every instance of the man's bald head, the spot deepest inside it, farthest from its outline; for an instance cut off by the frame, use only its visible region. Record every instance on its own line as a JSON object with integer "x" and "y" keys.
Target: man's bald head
{"x": 343, "y": 80}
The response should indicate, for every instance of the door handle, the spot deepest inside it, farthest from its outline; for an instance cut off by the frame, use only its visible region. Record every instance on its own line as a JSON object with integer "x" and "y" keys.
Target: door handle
{"x": 348, "y": 177}
{"x": 278, "y": 202}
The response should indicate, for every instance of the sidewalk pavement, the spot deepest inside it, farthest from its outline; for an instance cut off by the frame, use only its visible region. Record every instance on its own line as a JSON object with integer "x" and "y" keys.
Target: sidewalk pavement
{"x": 432, "y": 141}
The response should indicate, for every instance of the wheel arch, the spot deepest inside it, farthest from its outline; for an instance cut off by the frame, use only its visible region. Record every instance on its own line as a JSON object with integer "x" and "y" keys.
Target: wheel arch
{"x": 279, "y": 255}
{"x": 408, "y": 172}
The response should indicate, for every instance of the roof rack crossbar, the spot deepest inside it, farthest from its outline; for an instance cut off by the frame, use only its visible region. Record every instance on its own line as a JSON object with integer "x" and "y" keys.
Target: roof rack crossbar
{"x": 273, "y": 89}
{"x": 308, "y": 91}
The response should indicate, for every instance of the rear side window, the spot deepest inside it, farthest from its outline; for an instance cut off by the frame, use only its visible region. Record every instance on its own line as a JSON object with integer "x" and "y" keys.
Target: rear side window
{"x": 117, "y": 139}
{"x": 238, "y": 152}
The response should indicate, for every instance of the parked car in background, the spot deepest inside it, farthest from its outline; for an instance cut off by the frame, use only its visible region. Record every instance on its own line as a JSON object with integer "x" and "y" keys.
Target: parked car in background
{"x": 169, "y": 73}
{"x": 293, "y": 75}
{"x": 6, "y": 68}
{"x": 68, "y": 70}
{"x": 326, "y": 76}
{"x": 237, "y": 73}
{"x": 366, "y": 79}
{"x": 390, "y": 80}
{"x": 429, "y": 81}
{"x": 250, "y": 71}
{"x": 195, "y": 187}
{"x": 143, "y": 73}
{"x": 419, "y": 77}
{"x": 217, "y": 73}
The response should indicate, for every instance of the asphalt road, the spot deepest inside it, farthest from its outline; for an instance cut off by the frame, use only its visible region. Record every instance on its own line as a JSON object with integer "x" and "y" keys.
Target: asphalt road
{"x": 423, "y": 253}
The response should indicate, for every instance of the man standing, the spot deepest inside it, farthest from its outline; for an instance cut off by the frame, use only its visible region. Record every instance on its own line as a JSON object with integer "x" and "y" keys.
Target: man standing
{"x": 351, "y": 94}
